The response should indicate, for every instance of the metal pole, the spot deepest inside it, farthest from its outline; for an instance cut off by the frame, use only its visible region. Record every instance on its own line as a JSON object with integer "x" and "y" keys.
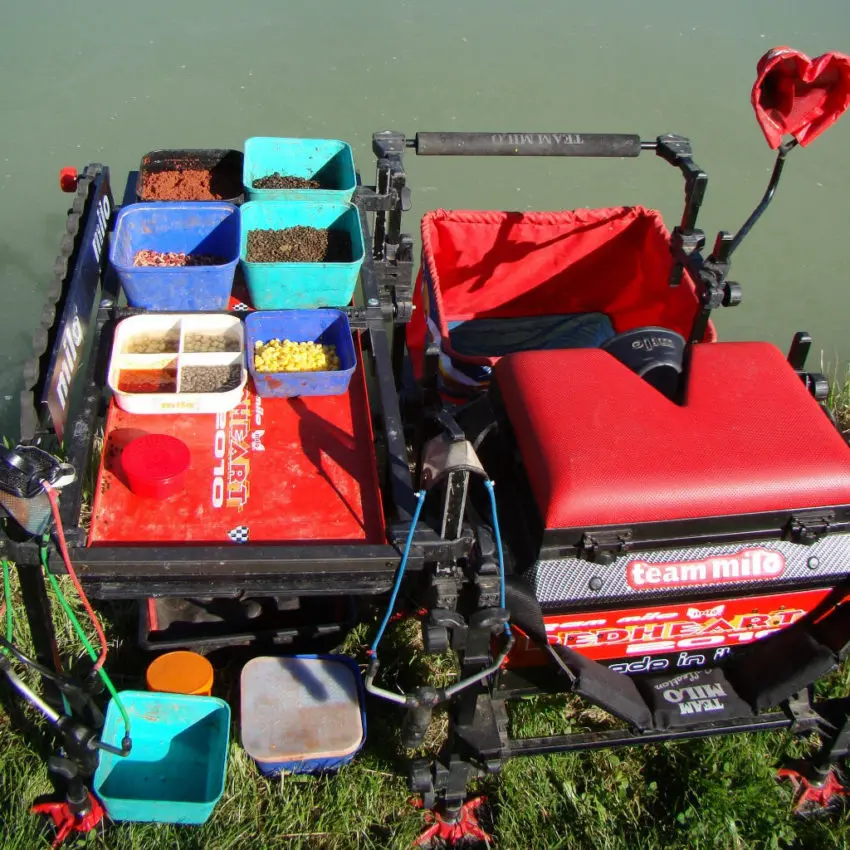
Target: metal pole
{"x": 30, "y": 696}
{"x": 747, "y": 226}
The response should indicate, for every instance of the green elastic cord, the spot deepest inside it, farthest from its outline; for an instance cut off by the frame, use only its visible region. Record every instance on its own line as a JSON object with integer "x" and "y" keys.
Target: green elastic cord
{"x": 7, "y": 593}
{"x": 86, "y": 642}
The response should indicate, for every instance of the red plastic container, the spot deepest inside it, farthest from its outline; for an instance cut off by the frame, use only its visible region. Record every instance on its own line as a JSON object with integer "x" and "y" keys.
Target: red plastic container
{"x": 156, "y": 465}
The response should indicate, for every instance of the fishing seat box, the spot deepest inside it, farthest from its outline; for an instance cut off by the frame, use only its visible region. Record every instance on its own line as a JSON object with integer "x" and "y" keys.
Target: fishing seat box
{"x": 617, "y": 494}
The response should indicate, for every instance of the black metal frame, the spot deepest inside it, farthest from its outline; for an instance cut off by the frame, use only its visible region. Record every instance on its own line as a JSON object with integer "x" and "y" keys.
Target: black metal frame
{"x": 481, "y": 743}
{"x": 387, "y": 292}
{"x": 137, "y": 572}
{"x": 479, "y": 740}
{"x": 450, "y": 556}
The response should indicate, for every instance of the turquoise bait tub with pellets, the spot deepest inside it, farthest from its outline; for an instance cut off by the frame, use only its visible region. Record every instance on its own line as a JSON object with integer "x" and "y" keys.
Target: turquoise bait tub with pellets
{"x": 291, "y": 286}
{"x": 328, "y": 161}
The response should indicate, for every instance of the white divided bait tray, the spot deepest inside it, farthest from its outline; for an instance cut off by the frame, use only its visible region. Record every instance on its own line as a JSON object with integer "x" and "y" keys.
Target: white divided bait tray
{"x": 175, "y": 363}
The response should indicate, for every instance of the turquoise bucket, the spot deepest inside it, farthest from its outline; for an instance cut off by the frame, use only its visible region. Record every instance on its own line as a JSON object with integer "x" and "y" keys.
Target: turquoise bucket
{"x": 176, "y": 769}
{"x": 329, "y": 161}
{"x": 301, "y": 286}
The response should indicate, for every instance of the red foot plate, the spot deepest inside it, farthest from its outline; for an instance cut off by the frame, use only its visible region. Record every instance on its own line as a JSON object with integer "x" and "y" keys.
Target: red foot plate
{"x": 812, "y": 798}
{"x": 455, "y": 833}
{"x": 270, "y": 471}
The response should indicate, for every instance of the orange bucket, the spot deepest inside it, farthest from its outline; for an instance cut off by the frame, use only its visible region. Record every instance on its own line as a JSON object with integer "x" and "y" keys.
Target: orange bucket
{"x": 180, "y": 673}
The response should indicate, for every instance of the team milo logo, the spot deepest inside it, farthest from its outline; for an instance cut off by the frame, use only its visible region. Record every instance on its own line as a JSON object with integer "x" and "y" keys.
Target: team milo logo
{"x": 745, "y": 565}
{"x": 104, "y": 209}
{"x": 694, "y": 698}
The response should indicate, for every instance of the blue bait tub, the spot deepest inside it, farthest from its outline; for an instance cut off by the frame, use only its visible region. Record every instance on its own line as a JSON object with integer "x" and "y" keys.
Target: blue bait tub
{"x": 329, "y": 161}
{"x": 302, "y": 713}
{"x": 290, "y": 286}
{"x": 326, "y": 327}
{"x": 176, "y": 769}
{"x": 193, "y": 227}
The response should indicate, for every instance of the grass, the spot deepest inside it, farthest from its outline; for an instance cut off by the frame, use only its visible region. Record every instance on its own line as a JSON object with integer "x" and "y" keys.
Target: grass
{"x": 839, "y": 402}
{"x": 716, "y": 793}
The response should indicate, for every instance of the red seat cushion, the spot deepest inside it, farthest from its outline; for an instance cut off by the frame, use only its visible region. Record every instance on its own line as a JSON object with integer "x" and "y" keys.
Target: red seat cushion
{"x": 602, "y": 447}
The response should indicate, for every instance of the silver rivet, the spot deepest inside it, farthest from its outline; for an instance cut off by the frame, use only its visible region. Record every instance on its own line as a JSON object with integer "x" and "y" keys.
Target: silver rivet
{"x": 813, "y": 563}
{"x": 595, "y": 583}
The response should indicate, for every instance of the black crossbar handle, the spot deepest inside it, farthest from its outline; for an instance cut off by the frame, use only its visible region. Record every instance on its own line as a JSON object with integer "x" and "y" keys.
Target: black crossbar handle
{"x": 528, "y": 144}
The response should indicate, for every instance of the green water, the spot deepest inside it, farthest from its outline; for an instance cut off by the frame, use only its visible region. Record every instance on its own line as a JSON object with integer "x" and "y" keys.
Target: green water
{"x": 84, "y": 81}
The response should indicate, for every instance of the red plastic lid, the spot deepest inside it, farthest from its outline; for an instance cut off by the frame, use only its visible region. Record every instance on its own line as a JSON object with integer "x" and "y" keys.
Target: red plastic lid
{"x": 156, "y": 465}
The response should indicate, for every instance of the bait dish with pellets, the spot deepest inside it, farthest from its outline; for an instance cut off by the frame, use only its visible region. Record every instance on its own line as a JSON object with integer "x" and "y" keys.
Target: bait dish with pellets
{"x": 184, "y": 363}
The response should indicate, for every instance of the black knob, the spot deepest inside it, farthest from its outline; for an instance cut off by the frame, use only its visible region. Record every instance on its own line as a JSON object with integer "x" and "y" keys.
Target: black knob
{"x": 63, "y": 767}
{"x": 415, "y": 726}
{"x": 818, "y": 386}
{"x": 436, "y": 639}
{"x": 78, "y": 799}
{"x": 732, "y": 294}
{"x": 251, "y": 608}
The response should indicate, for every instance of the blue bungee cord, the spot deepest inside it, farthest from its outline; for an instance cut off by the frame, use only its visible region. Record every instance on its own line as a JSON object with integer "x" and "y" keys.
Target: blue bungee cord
{"x": 488, "y": 483}
{"x": 413, "y": 700}
{"x": 420, "y": 499}
{"x": 373, "y": 651}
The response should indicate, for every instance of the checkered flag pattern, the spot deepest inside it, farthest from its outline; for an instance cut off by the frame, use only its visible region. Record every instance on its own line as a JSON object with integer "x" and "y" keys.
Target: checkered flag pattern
{"x": 239, "y": 534}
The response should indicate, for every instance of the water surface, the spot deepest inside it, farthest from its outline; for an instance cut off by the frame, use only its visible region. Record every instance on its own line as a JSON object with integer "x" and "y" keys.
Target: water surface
{"x": 88, "y": 81}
